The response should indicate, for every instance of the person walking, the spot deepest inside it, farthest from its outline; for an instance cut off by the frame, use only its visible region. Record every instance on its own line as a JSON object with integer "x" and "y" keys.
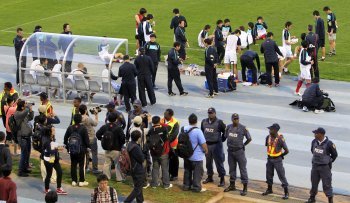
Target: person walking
{"x": 276, "y": 151}
{"x": 211, "y": 62}
{"x": 269, "y": 48}
{"x": 213, "y": 129}
{"x": 324, "y": 154}
{"x": 18, "y": 43}
{"x": 173, "y": 70}
{"x": 144, "y": 67}
{"x": 176, "y": 19}
{"x": 287, "y": 46}
{"x": 180, "y": 36}
{"x": 219, "y": 41}
{"x": 235, "y": 134}
{"x": 247, "y": 62}
{"x": 152, "y": 49}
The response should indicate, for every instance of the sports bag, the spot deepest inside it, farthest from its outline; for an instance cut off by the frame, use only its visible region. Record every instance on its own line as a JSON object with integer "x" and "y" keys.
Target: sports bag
{"x": 263, "y": 78}
{"x": 328, "y": 105}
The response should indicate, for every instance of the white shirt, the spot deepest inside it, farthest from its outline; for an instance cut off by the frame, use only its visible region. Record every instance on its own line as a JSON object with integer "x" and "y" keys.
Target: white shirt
{"x": 324, "y": 139}
{"x": 147, "y": 37}
{"x": 231, "y": 45}
{"x": 250, "y": 36}
{"x": 200, "y": 43}
{"x": 244, "y": 39}
{"x": 104, "y": 75}
{"x": 78, "y": 75}
{"x": 33, "y": 67}
{"x": 57, "y": 68}
{"x": 286, "y": 34}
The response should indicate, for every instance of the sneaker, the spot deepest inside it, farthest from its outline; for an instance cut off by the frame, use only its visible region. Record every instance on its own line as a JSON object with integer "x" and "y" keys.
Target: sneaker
{"x": 172, "y": 94}
{"x": 60, "y": 191}
{"x": 74, "y": 183}
{"x": 333, "y": 52}
{"x": 184, "y": 94}
{"x": 305, "y": 109}
{"x": 168, "y": 187}
{"x": 318, "y": 111}
{"x": 297, "y": 93}
{"x": 323, "y": 58}
{"x": 154, "y": 187}
{"x": 203, "y": 189}
{"x": 277, "y": 85}
{"x": 82, "y": 184}
{"x": 210, "y": 96}
{"x": 216, "y": 93}
{"x": 47, "y": 191}
{"x": 146, "y": 185}
{"x": 330, "y": 53}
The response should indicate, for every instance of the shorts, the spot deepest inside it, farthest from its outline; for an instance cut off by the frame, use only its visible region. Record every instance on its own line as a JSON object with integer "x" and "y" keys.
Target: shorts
{"x": 320, "y": 43}
{"x": 283, "y": 51}
{"x": 305, "y": 73}
{"x": 332, "y": 37}
{"x": 288, "y": 52}
{"x": 230, "y": 57}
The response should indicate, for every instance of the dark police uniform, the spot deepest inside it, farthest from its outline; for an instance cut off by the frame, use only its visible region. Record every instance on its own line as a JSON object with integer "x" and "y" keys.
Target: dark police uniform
{"x": 236, "y": 151}
{"x": 247, "y": 61}
{"x": 213, "y": 131}
{"x": 128, "y": 72}
{"x": 324, "y": 153}
{"x": 153, "y": 51}
{"x": 180, "y": 36}
{"x": 211, "y": 58}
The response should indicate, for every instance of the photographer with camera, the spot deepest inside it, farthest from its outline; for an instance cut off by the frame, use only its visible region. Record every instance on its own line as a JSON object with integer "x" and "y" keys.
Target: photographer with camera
{"x": 90, "y": 123}
{"x": 23, "y": 116}
{"x": 138, "y": 111}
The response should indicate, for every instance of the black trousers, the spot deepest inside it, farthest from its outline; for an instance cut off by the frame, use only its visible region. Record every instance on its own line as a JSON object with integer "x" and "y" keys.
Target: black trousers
{"x": 75, "y": 160}
{"x": 182, "y": 52}
{"x": 324, "y": 173}
{"x": 316, "y": 103}
{"x": 145, "y": 81}
{"x": 275, "y": 67}
{"x": 174, "y": 74}
{"x": 23, "y": 65}
{"x": 49, "y": 167}
{"x": 155, "y": 65}
{"x": 129, "y": 92}
{"x": 68, "y": 66}
{"x": 315, "y": 73}
{"x": 247, "y": 62}
{"x": 221, "y": 53}
{"x": 51, "y": 63}
{"x": 136, "y": 193}
{"x": 212, "y": 79}
{"x": 173, "y": 163}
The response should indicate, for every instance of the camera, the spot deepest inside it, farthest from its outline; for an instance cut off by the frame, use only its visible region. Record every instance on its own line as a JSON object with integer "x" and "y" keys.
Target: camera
{"x": 30, "y": 103}
{"x": 96, "y": 110}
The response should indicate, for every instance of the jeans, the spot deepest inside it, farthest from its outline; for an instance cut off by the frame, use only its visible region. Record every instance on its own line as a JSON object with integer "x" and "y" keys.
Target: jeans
{"x": 137, "y": 191}
{"x": 162, "y": 161}
{"x": 112, "y": 156}
{"x": 25, "y": 154}
{"x": 49, "y": 168}
{"x": 94, "y": 157}
{"x": 193, "y": 175}
{"x": 75, "y": 160}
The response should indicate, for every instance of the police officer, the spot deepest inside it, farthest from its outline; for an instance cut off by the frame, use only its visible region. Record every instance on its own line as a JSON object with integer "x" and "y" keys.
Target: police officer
{"x": 213, "y": 130}
{"x": 235, "y": 134}
{"x": 211, "y": 62}
{"x": 324, "y": 154}
{"x": 153, "y": 50}
{"x": 276, "y": 150}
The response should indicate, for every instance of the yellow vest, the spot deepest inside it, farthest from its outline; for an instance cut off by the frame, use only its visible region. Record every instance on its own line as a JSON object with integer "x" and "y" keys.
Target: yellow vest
{"x": 271, "y": 146}
{"x": 171, "y": 123}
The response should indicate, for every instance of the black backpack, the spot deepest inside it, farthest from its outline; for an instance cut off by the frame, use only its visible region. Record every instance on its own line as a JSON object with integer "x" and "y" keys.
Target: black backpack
{"x": 37, "y": 139}
{"x": 107, "y": 138}
{"x": 155, "y": 143}
{"x": 74, "y": 143}
{"x": 263, "y": 78}
{"x": 14, "y": 127}
{"x": 328, "y": 105}
{"x": 231, "y": 84}
{"x": 184, "y": 146}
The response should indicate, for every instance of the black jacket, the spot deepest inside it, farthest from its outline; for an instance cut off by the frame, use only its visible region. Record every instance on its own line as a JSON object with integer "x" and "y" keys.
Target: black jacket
{"x": 82, "y": 131}
{"x": 180, "y": 35}
{"x": 118, "y": 135}
{"x": 137, "y": 158}
{"x": 319, "y": 29}
{"x": 175, "y": 22}
{"x": 173, "y": 59}
{"x": 153, "y": 51}
{"x": 312, "y": 92}
{"x": 127, "y": 72}
{"x": 211, "y": 57}
{"x": 144, "y": 65}
{"x": 18, "y": 44}
{"x": 219, "y": 38}
{"x": 269, "y": 48}
{"x": 121, "y": 120}
{"x": 252, "y": 55}
{"x": 5, "y": 158}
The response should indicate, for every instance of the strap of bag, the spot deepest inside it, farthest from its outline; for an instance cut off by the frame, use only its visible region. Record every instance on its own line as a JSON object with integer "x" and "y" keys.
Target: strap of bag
{"x": 189, "y": 136}
{"x": 111, "y": 191}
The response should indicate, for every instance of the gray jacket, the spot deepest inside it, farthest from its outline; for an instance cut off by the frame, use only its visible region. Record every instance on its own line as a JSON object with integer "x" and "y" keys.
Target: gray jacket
{"x": 23, "y": 119}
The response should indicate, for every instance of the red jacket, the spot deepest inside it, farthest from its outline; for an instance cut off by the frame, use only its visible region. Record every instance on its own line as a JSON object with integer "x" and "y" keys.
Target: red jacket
{"x": 8, "y": 190}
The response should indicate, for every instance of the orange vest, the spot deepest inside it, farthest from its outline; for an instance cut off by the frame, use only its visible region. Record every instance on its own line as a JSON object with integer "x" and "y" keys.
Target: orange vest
{"x": 271, "y": 146}
{"x": 171, "y": 123}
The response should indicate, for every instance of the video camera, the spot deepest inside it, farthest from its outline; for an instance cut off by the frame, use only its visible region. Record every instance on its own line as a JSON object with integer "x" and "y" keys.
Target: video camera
{"x": 96, "y": 109}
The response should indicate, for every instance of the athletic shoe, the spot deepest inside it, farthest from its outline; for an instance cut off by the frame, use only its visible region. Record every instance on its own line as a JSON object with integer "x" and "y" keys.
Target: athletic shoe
{"x": 46, "y": 191}
{"x": 318, "y": 111}
{"x": 172, "y": 94}
{"x": 330, "y": 53}
{"x": 216, "y": 93}
{"x": 170, "y": 186}
{"x": 323, "y": 58}
{"x": 154, "y": 187}
{"x": 60, "y": 191}
{"x": 82, "y": 184}
{"x": 146, "y": 185}
{"x": 184, "y": 94}
{"x": 74, "y": 183}
{"x": 277, "y": 85}
{"x": 305, "y": 109}
{"x": 210, "y": 96}
{"x": 334, "y": 53}
{"x": 297, "y": 93}
{"x": 203, "y": 189}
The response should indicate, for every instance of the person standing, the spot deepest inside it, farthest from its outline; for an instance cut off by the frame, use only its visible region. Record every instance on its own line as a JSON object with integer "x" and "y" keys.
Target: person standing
{"x": 18, "y": 43}
{"x": 219, "y": 41}
{"x": 173, "y": 70}
{"x": 5, "y": 155}
{"x": 176, "y": 19}
{"x": 75, "y": 109}
{"x": 10, "y": 109}
{"x": 138, "y": 18}
{"x": 128, "y": 72}
{"x": 214, "y": 130}
{"x": 305, "y": 62}
{"x": 324, "y": 154}
{"x": 144, "y": 67}
{"x": 147, "y": 28}
{"x": 287, "y": 45}
{"x": 331, "y": 29}
{"x": 8, "y": 188}
{"x": 320, "y": 31}
{"x": 152, "y": 49}
{"x": 63, "y": 44}
{"x": 45, "y": 101}
{"x": 247, "y": 62}
{"x": 180, "y": 36}
{"x": 193, "y": 166}
{"x": 226, "y": 28}
{"x": 111, "y": 109}
{"x": 76, "y": 140}
{"x": 276, "y": 150}
{"x": 137, "y": 170}
{"x": 312, "y": 40}
{"x": 173, "y": 127}
{"x": 269, "y": 48}
{"x": 211, "y": 62}
{"x": 8, "y": 91}
{"x": 104, "y": 193}
{"x": 138, "y": 111}
{"x": 112, "y": 139}
{"x": 233, "y": 44}
{"x": 235, "y": 134}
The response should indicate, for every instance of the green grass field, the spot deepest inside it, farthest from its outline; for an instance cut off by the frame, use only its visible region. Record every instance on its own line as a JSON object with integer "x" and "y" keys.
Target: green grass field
{"x": 116, "y": 19}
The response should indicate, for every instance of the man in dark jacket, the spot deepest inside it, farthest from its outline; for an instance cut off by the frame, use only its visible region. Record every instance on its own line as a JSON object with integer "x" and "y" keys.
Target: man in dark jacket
{"x": 63, "y": 44}
{"x": 247, "y": 61}
{"x": 180, "y": 36}
{"x": 320, "y": 31}
{"x": 112, "y": 155}
{"x": 128, "y": 72}
{"x": 312, "y": 41}
{"x": 153, "y": 50}
{"x": 77, "y": 158}
{"x": 144, "y": 67}
{"x": 211, "y": 62}
{"x": 5, "y": 155}
{"x": 219, "y": 40}
{"x": 111, "y": 109}
{"x": 173, "y": 71}
{"x": 18, "y": 43}
{"x": 137, "y": 171}
{"x": 269, "y": 48}
{"x": 175, "y": 20}
{"x": 138, "y": 111}
{"x": 313, "y": 97}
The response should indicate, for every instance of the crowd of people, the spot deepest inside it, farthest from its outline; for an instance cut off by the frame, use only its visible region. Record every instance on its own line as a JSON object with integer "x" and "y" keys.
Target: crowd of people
{"x": 155, "y": 143}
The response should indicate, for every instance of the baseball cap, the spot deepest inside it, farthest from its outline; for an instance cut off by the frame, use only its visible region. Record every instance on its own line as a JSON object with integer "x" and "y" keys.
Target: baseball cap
{"x": 274, "y": 126}
{"x": 211, "y": 110}
{"x": 319, "y": 130}
{"x": 42, "y": 109}
{"x": 110, "y": 105}
{"x": 137, "y": 120}
{"x": 137, "y": 102}
{"x": 153, "y": 35}
{"x": 43, "y": 95}
{"x": 235, "y": 116}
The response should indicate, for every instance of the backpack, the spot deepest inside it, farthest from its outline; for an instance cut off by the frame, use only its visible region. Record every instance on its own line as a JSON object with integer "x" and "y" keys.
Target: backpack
{"x": 37, "y": 140}
{"x": 231, "y": 84}
{"x": 111, "y": 193}
{"x": 328, "y": 105}
{"x": 14, "y": 127}
{"x": 107, "y": 138}
{"x": 74, "y": 143}
{"x": 155, "y": 143}
{"x": 124, "y": 162}
{"x": 263, "y": 78}
{"x": 184, "y": 146}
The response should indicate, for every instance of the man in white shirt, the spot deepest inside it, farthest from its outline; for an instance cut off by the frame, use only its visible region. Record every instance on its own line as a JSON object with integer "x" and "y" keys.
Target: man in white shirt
{"x": 243, "y": 37}
{"x": 56, "y": 70}
{"x": 33, "y": 67}
{"x": 203, "y": 34}
{"x": 233, "y": 44}
{"x": 287, "y": 45}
